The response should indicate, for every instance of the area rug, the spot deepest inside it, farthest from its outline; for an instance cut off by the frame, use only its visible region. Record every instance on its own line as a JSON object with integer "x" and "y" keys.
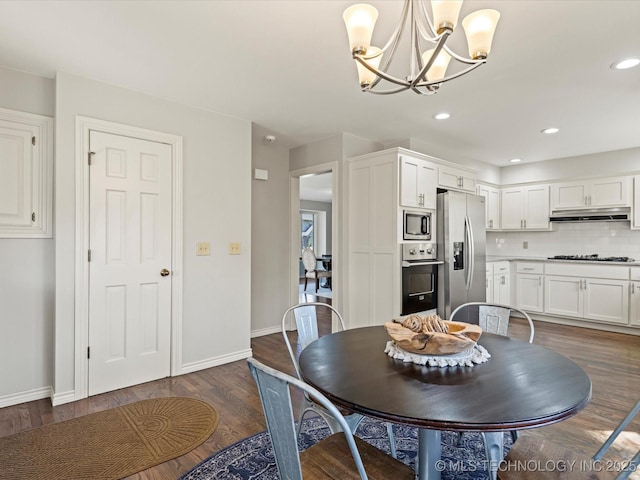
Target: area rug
{"x": 252, "y": 458}
{"x": 311, "y": 290}
{"x": 111, "y": 444}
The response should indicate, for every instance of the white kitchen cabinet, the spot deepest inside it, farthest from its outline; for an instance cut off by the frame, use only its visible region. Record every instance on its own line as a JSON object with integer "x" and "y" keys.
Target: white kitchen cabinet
{"x": 525, "y": 208}
{"x": 26, "y": 175}
{"x": 492, "y": 206}
{"x": 453, "y": 178}
{"x": 587, "y": 291}
{"x": 634, "y": 297}
{"x": 635, "y": 221}
{"x": 592, "y": 193}
{"x": 418, "y": 183}
{"x": 498, "y": 282}
{"x": 529, "y": 286}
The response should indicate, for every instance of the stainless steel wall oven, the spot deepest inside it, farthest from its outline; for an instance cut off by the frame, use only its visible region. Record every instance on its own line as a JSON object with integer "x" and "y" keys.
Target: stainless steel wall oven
{"x": 419, "y": 278}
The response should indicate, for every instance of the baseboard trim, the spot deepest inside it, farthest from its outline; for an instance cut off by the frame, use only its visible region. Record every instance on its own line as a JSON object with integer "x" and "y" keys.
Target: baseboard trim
{"x": 26, "y": 396}
{"x": 266, "y": 331}
{"x": 214, "y": 362}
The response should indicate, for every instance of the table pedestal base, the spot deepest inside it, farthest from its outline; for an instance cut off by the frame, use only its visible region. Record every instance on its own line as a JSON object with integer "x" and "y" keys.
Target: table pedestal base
{"x": 428, "y": 465}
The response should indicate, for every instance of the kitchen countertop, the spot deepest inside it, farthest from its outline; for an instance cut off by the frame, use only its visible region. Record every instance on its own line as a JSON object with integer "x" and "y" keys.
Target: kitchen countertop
{"x": 501, "y": 258}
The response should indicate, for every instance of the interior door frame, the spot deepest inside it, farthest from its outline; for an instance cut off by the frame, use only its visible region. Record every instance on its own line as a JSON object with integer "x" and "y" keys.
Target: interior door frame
{"x": 81, "y": 303}
{"x": 294, "y": 234}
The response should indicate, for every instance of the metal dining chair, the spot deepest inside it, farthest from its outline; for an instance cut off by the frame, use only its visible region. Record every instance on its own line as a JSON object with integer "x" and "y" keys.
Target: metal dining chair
{"x": 492, "y": 318}
{"x": 326, "y": 459}
{"x": 546, "y": 453}
{"x": 307, "y": 325}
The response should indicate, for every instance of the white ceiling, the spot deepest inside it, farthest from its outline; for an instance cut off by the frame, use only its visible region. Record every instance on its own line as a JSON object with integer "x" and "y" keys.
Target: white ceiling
{"x": 286, "y": 66}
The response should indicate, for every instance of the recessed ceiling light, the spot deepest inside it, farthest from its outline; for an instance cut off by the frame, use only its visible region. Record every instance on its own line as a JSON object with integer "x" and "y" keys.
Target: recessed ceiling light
{"x": 515, "y": 160}
{"x": 550, "y": 130}
{"x": 441, "y": 116}
{"x": 626, "y": 63}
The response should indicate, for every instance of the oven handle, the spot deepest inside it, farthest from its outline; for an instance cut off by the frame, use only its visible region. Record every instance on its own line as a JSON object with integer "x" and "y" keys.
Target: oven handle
{"x": 406, "y": 264}
{"x": 423, "y": 293}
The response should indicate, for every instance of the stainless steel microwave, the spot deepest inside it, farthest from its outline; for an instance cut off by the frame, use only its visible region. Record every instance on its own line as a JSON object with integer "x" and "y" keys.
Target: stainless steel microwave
{"x": 417, "y": 225}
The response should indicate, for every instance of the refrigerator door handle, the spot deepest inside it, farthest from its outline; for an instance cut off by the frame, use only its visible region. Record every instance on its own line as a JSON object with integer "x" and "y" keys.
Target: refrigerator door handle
{"x": 470, "y": 251}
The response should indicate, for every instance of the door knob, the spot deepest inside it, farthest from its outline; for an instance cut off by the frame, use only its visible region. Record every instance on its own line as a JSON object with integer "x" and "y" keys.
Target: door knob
{"x": 164, "y": 272}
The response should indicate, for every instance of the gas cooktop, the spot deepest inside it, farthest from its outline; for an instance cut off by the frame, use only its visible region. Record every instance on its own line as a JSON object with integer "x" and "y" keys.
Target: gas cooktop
{"x": 592, "y": 258}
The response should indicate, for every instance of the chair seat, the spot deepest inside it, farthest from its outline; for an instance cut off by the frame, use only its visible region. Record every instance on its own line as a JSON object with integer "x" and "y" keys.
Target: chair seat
{"x": 330, "y": 459}
{"x": 529, "y": 452}
{"x": 318, "y": 273}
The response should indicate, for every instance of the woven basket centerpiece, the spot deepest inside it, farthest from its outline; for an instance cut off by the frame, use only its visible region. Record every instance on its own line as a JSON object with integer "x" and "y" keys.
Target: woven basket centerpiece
{"x": 430, "y": 335}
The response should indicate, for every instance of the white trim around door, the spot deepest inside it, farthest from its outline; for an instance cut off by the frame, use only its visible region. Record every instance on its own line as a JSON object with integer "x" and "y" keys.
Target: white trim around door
{"x": 83, "y": 126}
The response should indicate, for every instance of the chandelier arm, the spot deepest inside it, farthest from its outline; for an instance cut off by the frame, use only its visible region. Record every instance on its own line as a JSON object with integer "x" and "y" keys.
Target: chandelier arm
{"x": 380, "y": 74}
{"x": 385, "y": 92}
{"x": 426, "y": 67}
{"x": 433, "y": 37}
{"x": 468, "y": 61}
{"x": 450, "y": 77}
{"x": 393, "y": 42}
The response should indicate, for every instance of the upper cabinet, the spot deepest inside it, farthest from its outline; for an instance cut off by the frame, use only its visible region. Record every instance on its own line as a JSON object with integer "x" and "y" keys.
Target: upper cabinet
{"x": 593, "y": 193}
{"x": 26, "y": 175}
{"x": 635, "y": 222}
{"x": 525, "y": 208}
{"x": 418, "y": 183}
{"x": 453, "y": 178}
{"x": 492, "y": 206}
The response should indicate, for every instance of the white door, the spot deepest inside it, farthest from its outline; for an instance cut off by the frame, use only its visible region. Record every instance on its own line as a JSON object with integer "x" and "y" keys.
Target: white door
{"x": 130, "y": 263}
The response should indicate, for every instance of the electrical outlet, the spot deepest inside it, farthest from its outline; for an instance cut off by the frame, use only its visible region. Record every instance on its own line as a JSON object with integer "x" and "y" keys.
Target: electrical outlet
{"x": 203, "y": 248}
{"x": 525, "y": 245}
{"x": 234, "y": 248}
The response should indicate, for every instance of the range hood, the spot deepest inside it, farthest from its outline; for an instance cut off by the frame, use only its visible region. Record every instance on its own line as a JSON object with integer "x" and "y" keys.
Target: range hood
{"x": 592, "y": 215}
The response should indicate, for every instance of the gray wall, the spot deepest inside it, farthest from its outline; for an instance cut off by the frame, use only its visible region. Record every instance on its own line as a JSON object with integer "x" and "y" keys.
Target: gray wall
{"x": 27, "y": 280}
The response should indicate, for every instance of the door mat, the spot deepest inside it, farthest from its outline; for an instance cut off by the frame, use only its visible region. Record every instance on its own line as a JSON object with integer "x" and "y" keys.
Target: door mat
{"x": 111, "y": 444}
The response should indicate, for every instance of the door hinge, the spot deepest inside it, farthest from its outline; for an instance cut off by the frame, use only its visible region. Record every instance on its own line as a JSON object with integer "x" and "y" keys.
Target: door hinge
{"x": 33, "y": 216}
{"x": 88, "y": 352}
{"x": 33, "y": 140}
{"x": 89, "y": 156}
{"x": 89, "y": 255}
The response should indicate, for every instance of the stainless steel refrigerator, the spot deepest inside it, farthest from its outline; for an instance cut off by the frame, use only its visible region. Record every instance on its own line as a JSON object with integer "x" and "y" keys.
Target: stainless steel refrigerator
{"x": 462, "y": 244}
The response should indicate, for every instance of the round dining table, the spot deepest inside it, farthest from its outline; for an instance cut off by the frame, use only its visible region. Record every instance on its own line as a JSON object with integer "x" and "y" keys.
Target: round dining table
{"x": 520, "y": 386}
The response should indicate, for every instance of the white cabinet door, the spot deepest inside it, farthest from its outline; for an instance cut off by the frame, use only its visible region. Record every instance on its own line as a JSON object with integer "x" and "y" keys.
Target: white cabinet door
{"x": 26, "y": 175}
{"x": 563, "y": 296}
{"x": 492, "y": 206}
{"x": 512, "y": 201}
{"x": 418, "y": 187}
{"x": 635, "y": 223}
{"x": 456, "y": 179}
{"x": 634, "y": 304}
{"x": 490, "y": 288}
{"x": 536, "y": 207}
{"x": 502, "y": 289}
{"x": 610, "y": 192}
{"x": 606, "y": 300}
{"x": 529, "y": 292}
{"x": 568, "y": 195}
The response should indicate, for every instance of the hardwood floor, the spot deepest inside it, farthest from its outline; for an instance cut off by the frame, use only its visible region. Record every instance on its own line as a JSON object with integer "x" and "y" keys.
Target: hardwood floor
{"x": 611, "y": 360}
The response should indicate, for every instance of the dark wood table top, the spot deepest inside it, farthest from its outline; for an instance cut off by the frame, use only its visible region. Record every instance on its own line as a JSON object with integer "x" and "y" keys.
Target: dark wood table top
{"x": 522, "y": 385}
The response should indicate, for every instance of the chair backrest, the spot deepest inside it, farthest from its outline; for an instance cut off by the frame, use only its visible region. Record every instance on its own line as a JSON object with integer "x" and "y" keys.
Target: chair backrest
{"x": 309, "y": 259}
{"x": 491, "y": 317}
{"x": 273, "y": 387}
{"x": 307, "y": 326}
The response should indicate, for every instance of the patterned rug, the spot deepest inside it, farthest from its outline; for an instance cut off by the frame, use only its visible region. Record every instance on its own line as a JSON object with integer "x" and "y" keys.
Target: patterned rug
{"x": 252, "y": 458}
{"x": 111, "y": 444}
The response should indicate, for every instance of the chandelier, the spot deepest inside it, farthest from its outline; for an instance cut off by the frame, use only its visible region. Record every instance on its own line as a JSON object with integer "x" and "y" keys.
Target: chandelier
{"x": 427, "y": 70}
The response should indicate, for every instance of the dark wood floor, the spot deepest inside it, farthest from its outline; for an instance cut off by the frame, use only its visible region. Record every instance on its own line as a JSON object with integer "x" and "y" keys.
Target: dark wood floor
{"x": 611, "y": 360}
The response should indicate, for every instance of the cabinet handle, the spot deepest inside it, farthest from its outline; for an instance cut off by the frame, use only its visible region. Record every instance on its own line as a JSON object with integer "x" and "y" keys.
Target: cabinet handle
{"x": 586, "y": 200}
{"x": 521, "y": 223}
{"x": 527, "y": 268}
{"x": 503, "y": 280}
{"x": 633, "y": 288}
{"x": 525, "y": 223}
{"x": 540, "y": 281}
{"x": 490, "y": 223}
{"x": 421, "y": 199}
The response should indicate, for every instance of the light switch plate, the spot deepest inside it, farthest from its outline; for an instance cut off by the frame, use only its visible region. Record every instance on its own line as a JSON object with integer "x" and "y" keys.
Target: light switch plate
{"x": 203, "y": 248}
{"x": 234, "y": 248}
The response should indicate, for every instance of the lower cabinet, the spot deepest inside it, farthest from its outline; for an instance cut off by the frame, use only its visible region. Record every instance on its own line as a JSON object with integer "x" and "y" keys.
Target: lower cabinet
{"x": 600, "y": 299}
{"x": 498, "y": 283}
{"x": 634, "y": 304}
{"x": 530, "y": 286}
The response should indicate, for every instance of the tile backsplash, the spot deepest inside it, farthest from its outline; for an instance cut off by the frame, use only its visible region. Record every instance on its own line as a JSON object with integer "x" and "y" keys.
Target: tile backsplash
{"x": 607, "y": 239}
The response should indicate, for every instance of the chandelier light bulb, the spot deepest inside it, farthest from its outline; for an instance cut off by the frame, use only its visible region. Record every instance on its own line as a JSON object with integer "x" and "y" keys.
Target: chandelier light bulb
{"x": 445, "y": 14}
{"x": 360, "y": 19}
{"x": 439, "y": 66}
{"x": 479, "y": 28}
{"x": 365, "y": 75}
